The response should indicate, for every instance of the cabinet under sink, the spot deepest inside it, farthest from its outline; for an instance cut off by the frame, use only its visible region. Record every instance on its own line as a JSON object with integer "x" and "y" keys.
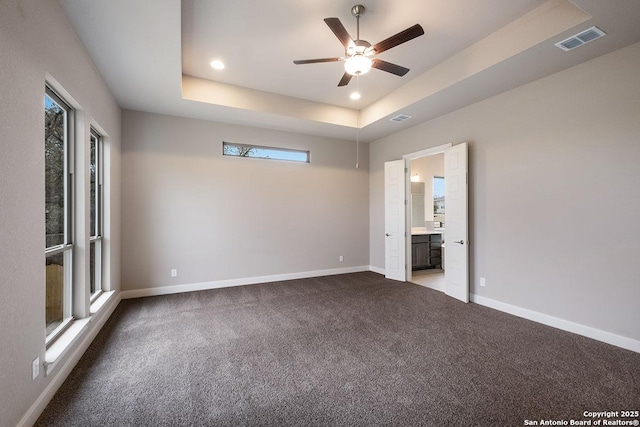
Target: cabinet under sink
{"x": 426, "y": 251}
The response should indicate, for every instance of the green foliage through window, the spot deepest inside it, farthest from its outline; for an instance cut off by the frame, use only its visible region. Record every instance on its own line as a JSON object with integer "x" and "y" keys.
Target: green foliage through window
{"x": 55, "y": 120}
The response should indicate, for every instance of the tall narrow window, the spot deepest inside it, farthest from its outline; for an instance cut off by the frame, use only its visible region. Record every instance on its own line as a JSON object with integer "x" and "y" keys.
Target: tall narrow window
{"x": 438, "y": 195}
{"x": 58, "y": 215}
{"x": 95, "y": 236}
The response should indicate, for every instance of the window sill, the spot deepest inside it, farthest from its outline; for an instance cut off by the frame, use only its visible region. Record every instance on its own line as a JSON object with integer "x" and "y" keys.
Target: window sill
{"x": 100, "y": 302}
{"x": 56, "y": 351}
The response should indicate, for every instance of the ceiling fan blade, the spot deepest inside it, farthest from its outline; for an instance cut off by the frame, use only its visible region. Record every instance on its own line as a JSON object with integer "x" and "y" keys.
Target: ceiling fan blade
{"x": 402, "y": 37}
{"x": 314, "y": 61}
{"x": 389, "y": 67}
{"x": 346, "y": 78}
{"x": 339, "y": 30}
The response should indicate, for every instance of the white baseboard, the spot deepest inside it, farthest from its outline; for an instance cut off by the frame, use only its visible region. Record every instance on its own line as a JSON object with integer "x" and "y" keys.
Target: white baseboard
{"x": 555, "y": 322}
{"x": 50, "y": 390}
{"x": 203, "y": 286}
{"x": 377, "y": 269}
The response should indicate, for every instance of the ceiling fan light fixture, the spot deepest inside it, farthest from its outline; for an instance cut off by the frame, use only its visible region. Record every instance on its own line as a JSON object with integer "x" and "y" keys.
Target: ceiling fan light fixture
{"x": 357, "y": 65}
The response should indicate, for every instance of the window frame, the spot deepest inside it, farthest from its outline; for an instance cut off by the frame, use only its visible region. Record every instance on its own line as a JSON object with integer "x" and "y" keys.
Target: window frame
{"x": 96, "y": 235}
{"x": 67, "y": 246}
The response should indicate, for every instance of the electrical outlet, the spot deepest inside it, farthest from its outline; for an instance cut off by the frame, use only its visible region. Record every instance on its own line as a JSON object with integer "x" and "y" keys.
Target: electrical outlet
{"x": 483, "y": 281}
{"x": 35, "y": 368}
{"x": 174, "y": 272}
{"x": 341, "y": 258}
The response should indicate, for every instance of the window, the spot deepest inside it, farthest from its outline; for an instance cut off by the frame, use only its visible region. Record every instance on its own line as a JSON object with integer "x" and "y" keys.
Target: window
{"x": 256, "y": 151}
{"x": 95, "y": 222}
{"x": 58, "y": 214}
{"x": 438, "y": 195}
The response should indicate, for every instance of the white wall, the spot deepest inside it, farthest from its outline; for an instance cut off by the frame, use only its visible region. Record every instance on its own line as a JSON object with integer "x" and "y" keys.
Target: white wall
{"x": 554, "y": 192}
{"x": 36, "y": 39}
{"x": 214, "y": 218}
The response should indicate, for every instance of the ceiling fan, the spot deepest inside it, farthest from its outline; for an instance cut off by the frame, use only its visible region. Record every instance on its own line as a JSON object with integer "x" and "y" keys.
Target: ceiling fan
{"x": 360, "y": 54}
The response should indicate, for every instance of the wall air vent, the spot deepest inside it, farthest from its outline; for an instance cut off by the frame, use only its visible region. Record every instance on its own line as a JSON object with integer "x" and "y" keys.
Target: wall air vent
{"x": 400, "y": 118}
{"x": 579, "y": 39}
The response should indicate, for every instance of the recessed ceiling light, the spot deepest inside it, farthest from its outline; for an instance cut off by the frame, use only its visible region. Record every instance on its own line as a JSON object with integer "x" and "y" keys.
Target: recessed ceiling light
{"x": 217, "y": 64}
{"x": 355, "y": 96}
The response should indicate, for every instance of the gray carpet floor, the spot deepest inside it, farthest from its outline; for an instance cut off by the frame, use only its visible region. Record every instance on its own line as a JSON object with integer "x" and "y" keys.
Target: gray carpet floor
{"x": 346, "y": 350}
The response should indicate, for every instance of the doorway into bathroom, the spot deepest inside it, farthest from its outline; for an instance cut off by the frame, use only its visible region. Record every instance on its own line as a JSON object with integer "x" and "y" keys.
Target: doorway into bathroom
{"x": 427, "y": 213}
{"x": 453, "y": 232}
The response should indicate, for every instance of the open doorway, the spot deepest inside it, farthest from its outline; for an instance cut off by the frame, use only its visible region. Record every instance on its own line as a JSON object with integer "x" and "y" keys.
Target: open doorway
{"x": 427, "y": 218}
{"x": 397, "y": 219}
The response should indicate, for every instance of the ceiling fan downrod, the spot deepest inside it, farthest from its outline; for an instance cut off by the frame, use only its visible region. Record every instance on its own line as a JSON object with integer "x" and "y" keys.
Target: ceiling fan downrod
{"x": 357, "y": 11}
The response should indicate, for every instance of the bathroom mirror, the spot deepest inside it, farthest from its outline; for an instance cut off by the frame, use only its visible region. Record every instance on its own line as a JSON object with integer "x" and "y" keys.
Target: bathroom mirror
{"x": 417, "y": 204}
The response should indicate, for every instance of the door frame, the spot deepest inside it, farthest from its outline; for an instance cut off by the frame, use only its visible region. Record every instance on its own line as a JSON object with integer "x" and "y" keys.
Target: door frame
{"x": 440, "y": 149}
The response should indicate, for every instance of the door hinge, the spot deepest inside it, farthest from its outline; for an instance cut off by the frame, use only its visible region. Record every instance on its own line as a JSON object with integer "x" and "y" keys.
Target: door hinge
{"x": 405, "y": 203}
{"x": 406, "y": 170}
{"x": 466, "y": 178}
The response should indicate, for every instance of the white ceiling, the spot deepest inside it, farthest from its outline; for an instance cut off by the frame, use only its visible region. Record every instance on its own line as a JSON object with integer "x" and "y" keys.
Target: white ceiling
{"x": 259, "y": 41}
{"x": 154, "y": 56}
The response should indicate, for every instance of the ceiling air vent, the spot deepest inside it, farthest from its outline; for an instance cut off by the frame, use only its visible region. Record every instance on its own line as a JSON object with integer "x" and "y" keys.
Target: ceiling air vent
{"x": 579, "y": 39}
{"x": 400, "y": 118}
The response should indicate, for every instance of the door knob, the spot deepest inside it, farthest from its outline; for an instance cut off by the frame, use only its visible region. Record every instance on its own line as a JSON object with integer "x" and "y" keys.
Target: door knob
{"x": 459, "y": 241}
{"x": 387, "y": 234}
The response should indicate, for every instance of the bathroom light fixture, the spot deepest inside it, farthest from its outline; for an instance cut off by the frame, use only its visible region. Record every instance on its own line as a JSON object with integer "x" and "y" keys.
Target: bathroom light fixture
{"x": 355, "y": 96}
{"x": 217, "y": 64}
{"x": 415, "y": 177}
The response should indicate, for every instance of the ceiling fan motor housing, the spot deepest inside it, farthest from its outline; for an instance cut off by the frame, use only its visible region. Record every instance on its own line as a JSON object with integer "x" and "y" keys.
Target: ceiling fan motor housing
{"x": 359, "y": 46}
{"x": 357, "y": 10}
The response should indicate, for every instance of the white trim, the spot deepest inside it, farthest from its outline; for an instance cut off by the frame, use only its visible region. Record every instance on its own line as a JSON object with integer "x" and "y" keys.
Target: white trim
{"x": 377, "y": 269}
{"x": 428, "y": 152}
{"x": 203, "y": 286}
{"x": 56, "y": 351}
{"x": 34, "y": 411}
{"x": 555, "y": 322}
{"x": 97, "y": 305}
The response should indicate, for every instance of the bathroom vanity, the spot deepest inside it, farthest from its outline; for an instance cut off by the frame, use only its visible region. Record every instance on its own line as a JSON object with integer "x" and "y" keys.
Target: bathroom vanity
{"x": 426, "y": 249}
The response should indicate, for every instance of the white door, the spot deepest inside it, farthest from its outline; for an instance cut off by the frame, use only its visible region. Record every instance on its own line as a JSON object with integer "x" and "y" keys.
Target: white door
{"x": 456, "y": 269}
{"x": 394, "y": 250}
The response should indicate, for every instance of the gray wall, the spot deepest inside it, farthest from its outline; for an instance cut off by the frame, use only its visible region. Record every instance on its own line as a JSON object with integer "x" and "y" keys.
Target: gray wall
{"x": 554, "y": 192}
{"x": 187, "y": 207}
{"x": 35, "y": 39}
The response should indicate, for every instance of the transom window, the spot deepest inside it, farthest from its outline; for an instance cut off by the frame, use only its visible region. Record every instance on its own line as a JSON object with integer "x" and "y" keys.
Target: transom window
{"x": 259, "y": 152}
